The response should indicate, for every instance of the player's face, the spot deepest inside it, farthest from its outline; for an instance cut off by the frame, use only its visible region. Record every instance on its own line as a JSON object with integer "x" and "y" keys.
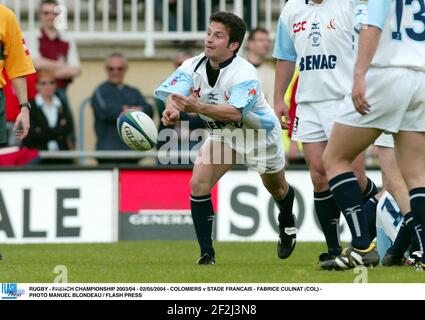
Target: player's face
{"x": 116, "y": 69}
{"x": 217, "y": 46}
{"x": 48, "y": 15}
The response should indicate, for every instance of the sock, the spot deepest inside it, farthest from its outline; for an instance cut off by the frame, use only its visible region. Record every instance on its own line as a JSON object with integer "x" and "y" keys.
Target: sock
{"x": 417, "y": 205}
{"x": 369, "y": 209}
{"x": 328, "y": 214}
{"x": 203, "y": 218}
{"x": 371, "y": 191}
{"x": 285, "y": 208}
{"x": 404, "y": 236}
{"x": 348, "y": 196}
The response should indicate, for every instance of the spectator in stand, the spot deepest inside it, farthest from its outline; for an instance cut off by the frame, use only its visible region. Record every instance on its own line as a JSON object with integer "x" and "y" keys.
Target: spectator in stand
{"x": 110, "y": 99}
{"x": 50, "y": 126}
{"x": 258, "y": 49}
{"x": 55, "y": 51}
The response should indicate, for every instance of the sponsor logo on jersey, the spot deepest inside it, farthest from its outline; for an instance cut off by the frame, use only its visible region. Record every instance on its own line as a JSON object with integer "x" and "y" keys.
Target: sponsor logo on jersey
{"x": 213, "y": 98}
{"x": 331, "y": 25}
{"x": 318, "y": 62}
{"x": 315, "y": 34}
{"x": 299, "y": 26}
{"x": 226, "y": 96}
{"x": 252, "y": 92}
{"x": 197, "y": 92}
{"x": 174, "y": 81}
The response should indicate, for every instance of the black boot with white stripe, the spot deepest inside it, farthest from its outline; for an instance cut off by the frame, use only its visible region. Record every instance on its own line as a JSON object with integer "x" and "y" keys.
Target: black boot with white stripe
{"x": 351, "y": 258}
{"x": 287, "y": 239}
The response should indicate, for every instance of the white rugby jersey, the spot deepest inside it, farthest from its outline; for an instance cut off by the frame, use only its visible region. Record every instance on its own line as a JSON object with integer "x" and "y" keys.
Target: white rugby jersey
{"x": 319, "y": 38}
{"x": 237, "y": 85}
{"x": 402, "y": 22}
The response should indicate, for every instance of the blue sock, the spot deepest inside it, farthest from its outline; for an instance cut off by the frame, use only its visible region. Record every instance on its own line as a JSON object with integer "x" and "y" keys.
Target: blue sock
{"x": 405, "y": 236}
{"x": 371, "y": 191}
{"x": 328, "y": 214}
{"x": 417, "y": 205}
{"x": 369, "y": 209}
{"x": 203, "y": 218}
{"x": 285, "y": 208}
{"x": 348, "y": 196}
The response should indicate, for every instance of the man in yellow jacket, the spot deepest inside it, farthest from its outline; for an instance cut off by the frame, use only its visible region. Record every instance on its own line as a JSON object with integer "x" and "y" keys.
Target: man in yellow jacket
{"x": 15, "y": 58}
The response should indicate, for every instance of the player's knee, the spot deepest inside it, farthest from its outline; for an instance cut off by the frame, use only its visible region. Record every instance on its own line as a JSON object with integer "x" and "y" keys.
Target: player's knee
{"x": 318, "y": 177}
{"x": 199, "y": 187}
{"x": 276, "y": 190}
{"x": 326, "y": 161}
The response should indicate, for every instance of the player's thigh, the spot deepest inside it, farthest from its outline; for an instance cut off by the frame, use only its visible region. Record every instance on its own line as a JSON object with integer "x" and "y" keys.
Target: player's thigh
{"x": 313, "y": 153}
{"x": 347, "y": 142}
{"x": 210, "y": 165}
{"x": 275, "y": 182}
{"x": 410, "y": 153}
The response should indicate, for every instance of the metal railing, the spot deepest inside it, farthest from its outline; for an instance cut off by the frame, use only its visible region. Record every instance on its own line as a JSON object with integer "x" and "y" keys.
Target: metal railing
{"x": 148, "y": 21}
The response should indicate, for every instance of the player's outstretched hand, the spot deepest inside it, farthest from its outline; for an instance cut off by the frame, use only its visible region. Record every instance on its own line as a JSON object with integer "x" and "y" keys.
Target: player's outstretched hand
{"x": 359, "y": 96}
{"x": 187, "y": 104}
{"x": 22, "y": 124}
{"x": 282, "y": 113}
{"x": 170, "y": 117}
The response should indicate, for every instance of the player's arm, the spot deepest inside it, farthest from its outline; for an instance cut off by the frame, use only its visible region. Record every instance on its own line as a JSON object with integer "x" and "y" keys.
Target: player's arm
{"x": 22, "y": 123}
{"x": 370, "y": 22}
{"x": 284, "y": 73}
{"x": 219, "y": 112}
{"x": 18, "y": 64}
{"x": 180, "y": 82}
{"x": 284, "y": 52}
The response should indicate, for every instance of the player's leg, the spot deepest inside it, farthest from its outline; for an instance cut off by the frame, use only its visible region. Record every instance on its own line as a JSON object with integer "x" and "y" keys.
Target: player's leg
{"x": 367, "y": 186}
{"x": 208, "y": 169}
{"x": 410, "y": 153}
{"x": 327, "y": 211}
{"x": 269, "y": 162}
{"x": 283, "y": 194}
{"x": 394, "y": 183}
{"x": 345, "y": 144}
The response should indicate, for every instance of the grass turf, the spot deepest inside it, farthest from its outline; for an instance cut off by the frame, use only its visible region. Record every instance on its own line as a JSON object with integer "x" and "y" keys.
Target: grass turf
{"x": 174, "y": 262}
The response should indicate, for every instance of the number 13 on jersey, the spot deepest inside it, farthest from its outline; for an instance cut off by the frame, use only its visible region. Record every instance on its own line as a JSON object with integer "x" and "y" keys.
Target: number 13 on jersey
{"x": 418, "y": 17}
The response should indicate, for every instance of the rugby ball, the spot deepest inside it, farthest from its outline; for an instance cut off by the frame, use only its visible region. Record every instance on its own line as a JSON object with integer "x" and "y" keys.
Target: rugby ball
{"x": 137, "y": 130}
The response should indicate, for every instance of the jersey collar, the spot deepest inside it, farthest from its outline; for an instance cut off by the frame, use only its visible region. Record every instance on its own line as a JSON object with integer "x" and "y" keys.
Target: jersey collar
{"x": 310, "y": 2}
{"x": 226, "y": 63}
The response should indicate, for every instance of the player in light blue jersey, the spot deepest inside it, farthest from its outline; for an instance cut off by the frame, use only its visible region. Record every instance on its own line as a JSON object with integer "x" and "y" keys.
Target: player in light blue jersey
{"x": 225, "y": 91}
{"x": 387, "y": 96}
{"x": 317, "y": 35}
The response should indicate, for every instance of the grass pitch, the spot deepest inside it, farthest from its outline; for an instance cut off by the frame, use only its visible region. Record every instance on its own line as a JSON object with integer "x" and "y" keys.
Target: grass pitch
{"x": 174, "y": 262}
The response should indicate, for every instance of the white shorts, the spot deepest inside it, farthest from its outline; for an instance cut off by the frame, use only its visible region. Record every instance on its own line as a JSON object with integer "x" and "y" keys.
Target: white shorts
{"x": 314, "y": 121}
{"x": 385, "y": 140}
{"x": 269, "y": 159}
{"x": 396, "y": 97}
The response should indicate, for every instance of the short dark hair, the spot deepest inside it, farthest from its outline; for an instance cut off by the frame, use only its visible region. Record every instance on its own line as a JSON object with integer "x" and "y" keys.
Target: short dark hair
{"x": 255, "y": 31}
{"x": 43, "y": 2}
{"x": 235, "y": 25}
